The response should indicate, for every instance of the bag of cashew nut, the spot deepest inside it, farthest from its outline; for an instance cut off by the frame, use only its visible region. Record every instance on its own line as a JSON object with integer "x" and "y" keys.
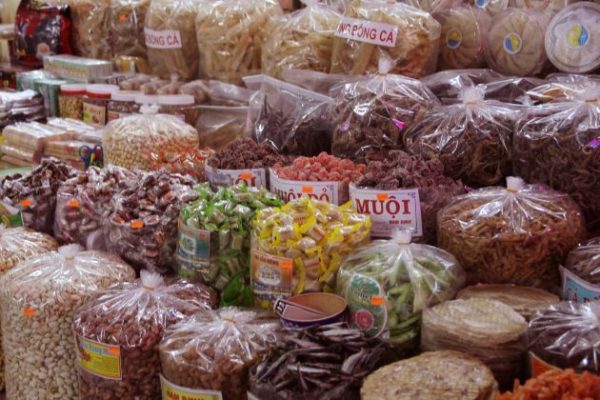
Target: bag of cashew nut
{"x": 118, "y": 332}
{"x": 212, "y": 352}
{"x": 38, "y": 298}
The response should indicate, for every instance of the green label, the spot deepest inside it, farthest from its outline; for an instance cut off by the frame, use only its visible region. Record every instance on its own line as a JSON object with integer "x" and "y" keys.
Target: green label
{"x": 366, "y": 302}
{"x": 10, "y": 216}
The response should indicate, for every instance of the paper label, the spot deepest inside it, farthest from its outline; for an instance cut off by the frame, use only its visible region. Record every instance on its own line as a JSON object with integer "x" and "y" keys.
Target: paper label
{"x": 10, "y": 216}
{"x": 537, "y": 366}
{"x": 290, "y": 190}
{"x": 171, "y": 391}
{"x": 577, "y": 289}
{"x": 390, "y": 210}
{"x": 271, "y": 278}
{"x": 513, "y": 43}
{"x": 578, "y": 36}
{"x": 256, "y": 177}
{"x": 193, "y": 250}
{"x": 94, "y": 114}
{"x": 453, "y": 38}
{"x": 162, "y": 39}
{"x": 368, "y": 32}
{"x": 99, "y": 359}
{"x": 366, "y": 302}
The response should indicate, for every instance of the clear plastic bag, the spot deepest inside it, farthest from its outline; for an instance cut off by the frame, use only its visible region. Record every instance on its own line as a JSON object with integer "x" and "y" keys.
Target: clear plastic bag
{"x": 129, "y": 320}
{"x": 414, "y": 52}
{"x": 91, "y": 28}
{"x": 230, "y": 36}
{"x": 584, "y": 261}
{"x": 562, "y": 87}
{"x": 220, "y": 125}
{"x": 446, "y": 85}
{"x": 130, "y": 141}
{"x": 315, "y": 81}
{"x": 215, "y": 350}
{"x": 492, "y": 7}
{"x": 18, "y": 244}
{"x": 127, "y": 27}
{"x": 374, "y": 114}
{"x": 404, "y": 278}
{"x": 302, "y": 40}
{"x": 437, "y": 8}
{"x": 171, "y": 38}
{"x": 548, "y": 6}
{"x": 567, "y": 335}
{"x": 32, "y": 137}
{"x": 38, "y": 298}
{"x": 516, "y": 235}
{"x": 471, "y": 138}
{"x": 558, "y": 144}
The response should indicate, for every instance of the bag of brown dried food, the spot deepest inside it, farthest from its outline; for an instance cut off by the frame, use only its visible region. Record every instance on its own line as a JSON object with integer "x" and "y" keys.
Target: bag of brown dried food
{"x": 214, "y": 350}
{"x": 374, "y": 113}
{"x": 91, "y": 28}
{"x": 471, "y": 138}
{"x": 559, "y": 144}
{"x": 126, "y": 323}
{"x": 126, "y": 27}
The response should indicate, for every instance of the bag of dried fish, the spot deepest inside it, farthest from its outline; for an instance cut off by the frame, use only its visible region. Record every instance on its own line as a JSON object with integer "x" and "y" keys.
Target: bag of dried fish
{"x": 516, "y": 235}
{"x": 302, "y": 40}
{"x": 387, "y": 285}
{"x": 435, "y": 375}
{"x": 374, "y": 113}
{"x": 213, "y": 243}
{"x": 566, "y": 335}
{"x": 170, "y": 34}
{"x": 213, "y": 351}
{"x": 230, "y": 36}
{"x": 91, "y": 21}
{"x": 581, "y": 273}
{"x": 322, "y": 362}
{"x": 291, "y": 119}
{"x": 408, "y": 38}
{"x": 299, "y": 247}
{"x": 558, "y": 144}
{"x": 487, "y": 329}
{"x": 127, "y": 27}
{"x": 471, "y": 138}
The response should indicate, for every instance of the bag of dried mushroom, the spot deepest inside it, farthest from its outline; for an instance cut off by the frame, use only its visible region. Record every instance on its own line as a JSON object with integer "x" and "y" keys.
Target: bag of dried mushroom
{"x": 38, "y": 298}
{"x": 230, "y": 35}
{"x": 411, "y": 39}
{"x": 302, "y": 40}
{"x": 127, "y": 27}
{"x": 127, "y": 322}
{"x": 171, "y": 38}
{"x": 91, "y": 27}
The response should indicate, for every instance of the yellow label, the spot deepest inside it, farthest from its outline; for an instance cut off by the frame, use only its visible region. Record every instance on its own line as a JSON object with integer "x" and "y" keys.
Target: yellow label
{"x": 99, "y": 359}
{"x": 171, "y": 391}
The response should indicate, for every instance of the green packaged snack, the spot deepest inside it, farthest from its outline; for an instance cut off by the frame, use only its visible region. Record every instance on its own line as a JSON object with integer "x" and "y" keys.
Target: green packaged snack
{"x": 214, "y": 239}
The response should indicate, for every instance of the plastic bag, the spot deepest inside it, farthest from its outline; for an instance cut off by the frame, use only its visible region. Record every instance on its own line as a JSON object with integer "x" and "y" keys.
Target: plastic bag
{"x": 128, "y": 142}
{"x": 302, "y": 40}
{"x": 446, "y": 85}
{"x": 315, "y": 81}
{"x": 220, "y": 125}
{"x": 128, "y": 321}
{"x": 41, "y": 29}
{"x": 83, "y": 203}
{"x": 413, "y": 52}
{"x": 437, "y": 8}
{"x": 567, "y": 335}
{"x": 404, "y": 278}
{"x": 127, "y": 27}
{"x": 38, "y": 299}
{"x": 516, "y": 235}
{"x": 215, "y": 350}
{"x": 581, "y": 276}
{"x": 515, "y": 42}
{"x": 230, "y": 36}
{"x": 562, "y": 87}
{"x": 214, "y": 239}
{"x": 291, "y": 119}
{"x": 18, "y": 244}
{"x": 492, "y": 7}
{"x": 550, "y": 7}
{"x": 373, "y": 114}
{"x": 32, "y": 137}
{"x": 464, "y": 38}
{"x": 471, "y": 138}
{"x": 91, "y": 28}
{"x": 558, "y": 144}
{"x": 191, "y": 163}
{"x": 171, "y": 38}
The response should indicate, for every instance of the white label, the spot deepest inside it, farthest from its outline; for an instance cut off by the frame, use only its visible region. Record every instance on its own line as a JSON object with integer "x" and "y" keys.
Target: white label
{"x": 390, "y": 210}
{"x": 367, "y": 32}
{"x": 576, "y": 289}
{"x": 171, "y": 391}
{"x": 256, "y": 177}
{"x": 290, "y": 190}
{"x": 162, "y": 39}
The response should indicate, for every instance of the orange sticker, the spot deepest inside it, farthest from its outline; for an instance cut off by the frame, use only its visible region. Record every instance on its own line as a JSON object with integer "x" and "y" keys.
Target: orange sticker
{"x": 382, "y": 196}
{"x": 28, "y": 312}
{"x": 123, "y": 17}
{"x": 115, "y": 351}
{"x": 137, "y": 224}
{"x": 25, "y": 203}
{"x": 286, "y": 264}
{"x": 307, "y": 189}
{"x": 377, "y": 300}
{"x": 73, "y": 203}
{"x": 246, "y": 175}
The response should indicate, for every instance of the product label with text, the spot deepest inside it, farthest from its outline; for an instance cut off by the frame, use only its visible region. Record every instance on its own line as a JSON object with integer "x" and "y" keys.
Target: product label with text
{"x": 99, "y": 359}
{"x": 368, "y": 32}
{"x": 94, "y": 114}
{"x": 577, "y": 289}
{"x": 366, "y": 302}
{"x": 171, "y": 391}
{"x": 256, "y": 177}
{"x": 289, "y": 190}
{"x": 271, "y": 277}
{"x": 193, "y": 251}
{"x": 162, "y": 39}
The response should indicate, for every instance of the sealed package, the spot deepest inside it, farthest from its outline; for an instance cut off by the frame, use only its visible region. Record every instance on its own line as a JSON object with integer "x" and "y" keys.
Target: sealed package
{"x": 91, "y": 20}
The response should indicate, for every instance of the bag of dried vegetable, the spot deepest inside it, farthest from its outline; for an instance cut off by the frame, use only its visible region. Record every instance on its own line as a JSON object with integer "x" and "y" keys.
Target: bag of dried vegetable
{"x": 127, "y": 27}
{"x": 122, "y": 327}
{"x": 581, "y": 272}
{"x": 230, "y": 36}
{"x": 388, "y": 283}
{"x": 374, "y": 113}
{"x": 170, "y": 35}
{"x": 558, "y": 144}
{"x": 291, "y": 119}
{"x": 519, "y": 234}
{"x": 213, "y": 243}
{"x": 471, "y": 138}
{"x": 212, "y": 352}
{"x": 38, "y": 298}
{"x": 372, "y": 30}
{"x": 301, "y": 40}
